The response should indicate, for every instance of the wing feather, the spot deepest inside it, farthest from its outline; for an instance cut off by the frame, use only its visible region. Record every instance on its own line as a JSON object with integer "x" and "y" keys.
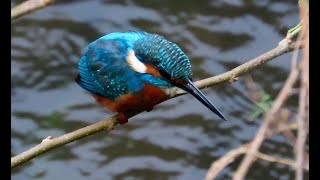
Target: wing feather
{"x": 103, "y": 69}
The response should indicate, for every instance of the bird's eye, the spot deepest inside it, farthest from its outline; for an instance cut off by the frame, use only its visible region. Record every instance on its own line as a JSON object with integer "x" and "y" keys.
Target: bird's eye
{"x": 178, "y": 81}
{"x": 171, "y": 79}
{"x": 165, "y": 74}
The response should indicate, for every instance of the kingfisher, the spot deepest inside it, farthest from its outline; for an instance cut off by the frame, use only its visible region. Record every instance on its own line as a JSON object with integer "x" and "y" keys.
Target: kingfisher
{"x": 132, "y": 71}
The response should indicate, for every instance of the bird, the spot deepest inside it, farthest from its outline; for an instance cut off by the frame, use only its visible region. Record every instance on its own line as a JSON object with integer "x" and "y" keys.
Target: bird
{"x": 132, "y": 70}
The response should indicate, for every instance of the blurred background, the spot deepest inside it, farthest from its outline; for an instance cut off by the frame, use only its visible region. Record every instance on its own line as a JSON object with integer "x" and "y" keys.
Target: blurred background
{"x": 180, "y": 138}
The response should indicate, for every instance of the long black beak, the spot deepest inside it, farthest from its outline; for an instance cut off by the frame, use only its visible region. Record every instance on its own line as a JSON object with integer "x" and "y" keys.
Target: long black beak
{"x": 193, "y": 90}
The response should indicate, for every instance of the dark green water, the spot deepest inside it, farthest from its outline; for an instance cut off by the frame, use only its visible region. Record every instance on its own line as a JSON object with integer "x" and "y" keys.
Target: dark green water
{"x": 180, "y": 138}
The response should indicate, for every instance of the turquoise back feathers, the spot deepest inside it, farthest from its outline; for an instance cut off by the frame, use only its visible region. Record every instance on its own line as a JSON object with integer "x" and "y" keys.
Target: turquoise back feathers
{"x": 103, "y": 68}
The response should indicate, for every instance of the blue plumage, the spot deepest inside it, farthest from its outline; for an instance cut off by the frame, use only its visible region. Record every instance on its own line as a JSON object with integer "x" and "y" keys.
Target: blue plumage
{"x": 130, "y": 70}
{"x": 103, "y": 68}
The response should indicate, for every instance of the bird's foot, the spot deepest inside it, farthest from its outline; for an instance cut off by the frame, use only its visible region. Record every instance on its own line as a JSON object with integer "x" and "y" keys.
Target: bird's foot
{"x": 122, "y": 118}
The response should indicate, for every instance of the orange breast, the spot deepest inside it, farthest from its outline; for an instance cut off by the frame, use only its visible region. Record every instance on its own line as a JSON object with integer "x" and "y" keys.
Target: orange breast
{"x": 152, "y": 70}
{"x": 145, "y": 99}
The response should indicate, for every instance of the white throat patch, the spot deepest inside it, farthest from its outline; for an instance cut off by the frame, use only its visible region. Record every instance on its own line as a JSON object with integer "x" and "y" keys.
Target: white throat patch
{"x": 134, "y": 62}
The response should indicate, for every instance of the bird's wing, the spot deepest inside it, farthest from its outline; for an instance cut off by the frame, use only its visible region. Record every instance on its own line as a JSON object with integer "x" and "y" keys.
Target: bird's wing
{"x": 103, "y": 70}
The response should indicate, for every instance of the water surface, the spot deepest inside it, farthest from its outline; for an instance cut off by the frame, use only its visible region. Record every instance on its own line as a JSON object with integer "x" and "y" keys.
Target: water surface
{"x": 180, "y": 138}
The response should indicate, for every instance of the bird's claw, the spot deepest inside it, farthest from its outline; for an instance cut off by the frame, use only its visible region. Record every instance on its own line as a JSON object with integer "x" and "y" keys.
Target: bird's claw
{"x": 122, "y": 118}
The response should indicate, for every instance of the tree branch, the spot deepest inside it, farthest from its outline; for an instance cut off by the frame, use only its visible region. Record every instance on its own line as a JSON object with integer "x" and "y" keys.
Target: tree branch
{"x": 283, "y": 47}
{"x": 49, "y": 143}
{"x": 109, "y": 123}
{"x": 269, "y": 158}
{"x": 218, "y": 165}
{"x": 229, "y": 157}
{"x": 303, "y": 111}
{"x": 28, "y": 6}
{"x": 270, "y": 116}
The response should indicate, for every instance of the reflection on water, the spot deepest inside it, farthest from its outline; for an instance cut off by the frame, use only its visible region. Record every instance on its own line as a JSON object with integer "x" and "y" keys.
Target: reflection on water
{"x": 178, "y": 139}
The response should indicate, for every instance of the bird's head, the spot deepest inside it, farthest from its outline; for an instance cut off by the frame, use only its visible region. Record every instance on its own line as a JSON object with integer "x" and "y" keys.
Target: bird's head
{"x": 172, "y": 64}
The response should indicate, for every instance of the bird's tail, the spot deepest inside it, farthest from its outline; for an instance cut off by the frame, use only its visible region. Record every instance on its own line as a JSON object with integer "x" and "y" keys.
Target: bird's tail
{"x": 83, "y": 83}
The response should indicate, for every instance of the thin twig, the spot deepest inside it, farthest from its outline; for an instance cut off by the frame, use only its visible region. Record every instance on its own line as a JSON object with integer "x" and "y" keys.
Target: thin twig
{"x": 229, "y": 157}
{"x": 261, "y": 134}
{"x": 302, "y": 117}
{"x": 284, "y": 47}
{"x": 218, "y": 165}
{"x": 254, "y": 91}
{"x": 276, "y": 106}
{"x": 292, "y": 141}
{"x": 28, "y": 6}
{"x": 52, "y": 143}
{"x": 269, "y": 158}
{"x": 48, "y": 145}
